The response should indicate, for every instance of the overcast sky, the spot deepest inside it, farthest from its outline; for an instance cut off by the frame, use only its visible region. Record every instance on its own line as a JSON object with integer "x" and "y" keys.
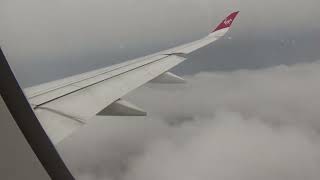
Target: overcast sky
{"x": 46, "y": 40}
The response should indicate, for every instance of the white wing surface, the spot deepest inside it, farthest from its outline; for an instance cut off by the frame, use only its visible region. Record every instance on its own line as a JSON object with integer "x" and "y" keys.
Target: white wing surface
{"x": 64, "y": 105}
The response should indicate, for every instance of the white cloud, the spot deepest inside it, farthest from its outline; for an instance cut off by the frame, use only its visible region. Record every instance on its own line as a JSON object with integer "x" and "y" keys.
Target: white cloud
{"x": 230, "y": 148}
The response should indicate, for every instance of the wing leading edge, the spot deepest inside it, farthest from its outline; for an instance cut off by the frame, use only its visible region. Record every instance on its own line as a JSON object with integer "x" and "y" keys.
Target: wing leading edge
{"x": 63, "y": 106}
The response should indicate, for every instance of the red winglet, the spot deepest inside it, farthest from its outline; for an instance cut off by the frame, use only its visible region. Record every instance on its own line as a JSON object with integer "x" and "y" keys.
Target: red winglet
{"x": 227, "y": 22}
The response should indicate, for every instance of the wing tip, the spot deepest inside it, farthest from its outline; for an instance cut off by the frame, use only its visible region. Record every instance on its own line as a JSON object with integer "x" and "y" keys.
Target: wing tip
{"x": 227, "y": 22}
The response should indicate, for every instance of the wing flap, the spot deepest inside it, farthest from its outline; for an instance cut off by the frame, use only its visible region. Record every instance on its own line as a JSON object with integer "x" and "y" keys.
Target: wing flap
{"x": 57, "y": 124}
{"x": 168, "y": 78}
{"x": 122, "y": 108}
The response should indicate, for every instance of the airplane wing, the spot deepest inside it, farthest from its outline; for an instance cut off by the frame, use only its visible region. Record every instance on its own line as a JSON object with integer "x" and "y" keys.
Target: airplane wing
{"x": 64, "y": 105}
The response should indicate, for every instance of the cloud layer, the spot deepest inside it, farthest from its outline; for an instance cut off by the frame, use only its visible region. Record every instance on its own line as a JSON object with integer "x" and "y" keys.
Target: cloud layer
{"x": 247, "y": 124}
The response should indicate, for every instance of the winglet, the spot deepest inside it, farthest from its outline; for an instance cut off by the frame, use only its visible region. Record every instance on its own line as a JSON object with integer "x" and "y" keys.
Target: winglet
{"x": 227, "y": 22}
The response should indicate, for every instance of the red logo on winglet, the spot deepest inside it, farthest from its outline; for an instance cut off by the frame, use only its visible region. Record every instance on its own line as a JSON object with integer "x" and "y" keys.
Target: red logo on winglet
{"x": 227, "y": 22}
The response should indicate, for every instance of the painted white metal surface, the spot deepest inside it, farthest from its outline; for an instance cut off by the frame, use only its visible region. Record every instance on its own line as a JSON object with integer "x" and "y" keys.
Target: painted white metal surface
{"x": 87, "y": 102}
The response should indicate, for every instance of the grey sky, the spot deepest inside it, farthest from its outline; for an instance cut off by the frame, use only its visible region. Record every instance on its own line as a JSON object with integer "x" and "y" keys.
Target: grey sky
{"x": 46, "y": 40}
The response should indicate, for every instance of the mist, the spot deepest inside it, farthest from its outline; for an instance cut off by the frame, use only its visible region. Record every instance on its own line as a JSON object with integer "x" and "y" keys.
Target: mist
{"x": 245, "y": 124}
